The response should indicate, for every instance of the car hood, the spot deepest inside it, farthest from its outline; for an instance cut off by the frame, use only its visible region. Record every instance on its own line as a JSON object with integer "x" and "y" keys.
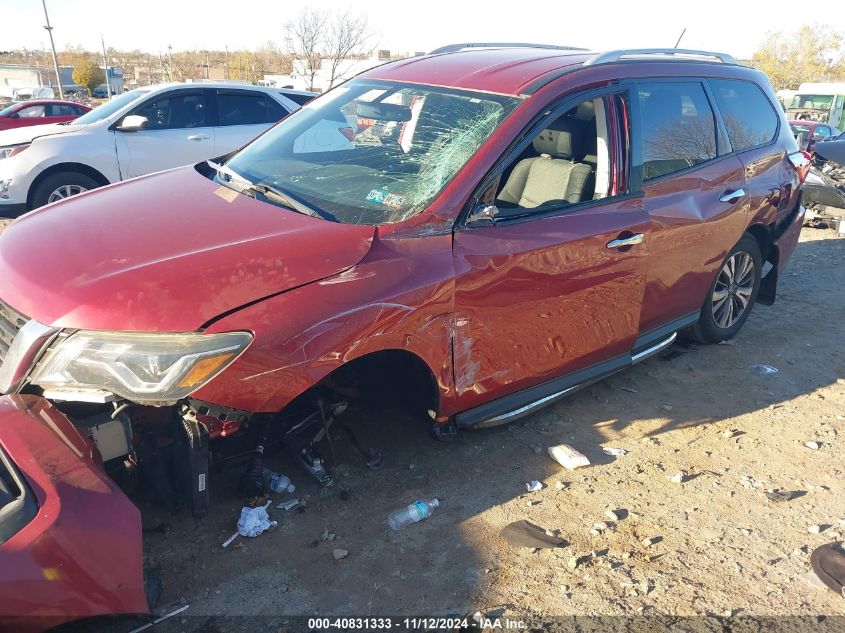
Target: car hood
{"x": 28, "y": 133}
{"x": 165, "y": 252}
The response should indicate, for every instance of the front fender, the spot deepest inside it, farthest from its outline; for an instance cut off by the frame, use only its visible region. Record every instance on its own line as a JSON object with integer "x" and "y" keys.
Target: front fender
{"x": 399, "y": 297}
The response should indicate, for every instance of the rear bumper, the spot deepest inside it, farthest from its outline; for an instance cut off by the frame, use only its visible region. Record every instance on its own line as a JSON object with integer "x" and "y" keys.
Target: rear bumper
{"x": 81, "y": 556}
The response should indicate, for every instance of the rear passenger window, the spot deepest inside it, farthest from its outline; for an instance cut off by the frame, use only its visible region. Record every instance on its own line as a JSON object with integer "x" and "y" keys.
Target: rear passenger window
{"x": 677, "y": 127}
{"x": 238, "y": 108}
{"x": 747, "y": 112}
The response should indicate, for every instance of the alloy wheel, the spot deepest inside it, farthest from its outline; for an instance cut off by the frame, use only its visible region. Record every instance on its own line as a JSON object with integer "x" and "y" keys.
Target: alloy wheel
{"x": 734, "y": 287}
{"x": 65, "y": 191}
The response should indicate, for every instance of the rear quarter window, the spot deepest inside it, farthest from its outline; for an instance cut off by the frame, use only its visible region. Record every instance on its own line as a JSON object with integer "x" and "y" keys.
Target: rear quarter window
{"x": 749, "y": 116}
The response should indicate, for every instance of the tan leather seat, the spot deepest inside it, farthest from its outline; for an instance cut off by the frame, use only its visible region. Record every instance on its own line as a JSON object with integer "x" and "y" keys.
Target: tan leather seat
{"x": 554, "y": 175}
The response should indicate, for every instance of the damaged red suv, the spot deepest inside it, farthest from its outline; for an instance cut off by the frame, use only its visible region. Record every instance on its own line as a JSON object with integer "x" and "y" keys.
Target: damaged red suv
{"x": 492, "y": 226}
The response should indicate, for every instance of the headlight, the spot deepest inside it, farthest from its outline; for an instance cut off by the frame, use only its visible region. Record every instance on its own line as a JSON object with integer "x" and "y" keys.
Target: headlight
{"x": 144, "y": 368}
{"x": 12, "y": 150}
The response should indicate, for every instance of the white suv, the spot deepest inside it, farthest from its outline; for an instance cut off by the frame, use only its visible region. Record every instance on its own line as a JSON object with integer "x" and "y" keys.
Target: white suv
{"x": 138, "y": 132}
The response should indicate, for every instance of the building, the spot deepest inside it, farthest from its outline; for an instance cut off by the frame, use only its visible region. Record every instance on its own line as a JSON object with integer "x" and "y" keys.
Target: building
{"x": 22, "y": 77}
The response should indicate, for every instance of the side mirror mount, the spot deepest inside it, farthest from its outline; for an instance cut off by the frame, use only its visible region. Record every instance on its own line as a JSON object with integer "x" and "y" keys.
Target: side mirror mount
{"x": 133, "y": 123}
{"x": 482, "y": 215}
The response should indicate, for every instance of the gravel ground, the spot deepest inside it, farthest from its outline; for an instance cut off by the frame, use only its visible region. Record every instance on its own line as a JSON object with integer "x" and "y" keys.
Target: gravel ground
{"x": 706, "y": 543}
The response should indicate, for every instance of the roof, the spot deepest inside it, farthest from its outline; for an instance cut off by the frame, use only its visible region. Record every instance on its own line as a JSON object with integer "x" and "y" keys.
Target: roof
{"x": 499, "y": 70}
{"x": 517, "y": 69}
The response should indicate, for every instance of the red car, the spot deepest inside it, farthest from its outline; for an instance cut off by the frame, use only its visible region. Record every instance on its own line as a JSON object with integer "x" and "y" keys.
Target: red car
{"x": 813, "y": 132}
{"x": 479, "y": 231}
{"x": 40, "y": 112}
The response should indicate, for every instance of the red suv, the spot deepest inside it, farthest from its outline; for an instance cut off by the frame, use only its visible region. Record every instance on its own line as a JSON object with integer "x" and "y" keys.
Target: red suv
{"x": 489, "y": 227}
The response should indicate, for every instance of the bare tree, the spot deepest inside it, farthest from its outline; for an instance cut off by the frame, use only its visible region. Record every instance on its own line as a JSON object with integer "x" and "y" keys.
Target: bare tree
{"x": 305, "y": 38}
{"x": 348, "y": 35}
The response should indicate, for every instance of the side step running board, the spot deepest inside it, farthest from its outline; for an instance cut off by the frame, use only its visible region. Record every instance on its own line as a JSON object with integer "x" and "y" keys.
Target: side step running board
{"x": 464, "y": 419}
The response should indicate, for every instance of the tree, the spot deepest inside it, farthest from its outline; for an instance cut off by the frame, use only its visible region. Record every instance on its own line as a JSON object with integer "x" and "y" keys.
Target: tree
{"x": 304, "y": 38}
{"x": 88, "y": 75}
{"x": 813, "y": 53}
{"x": 348, "y": 35}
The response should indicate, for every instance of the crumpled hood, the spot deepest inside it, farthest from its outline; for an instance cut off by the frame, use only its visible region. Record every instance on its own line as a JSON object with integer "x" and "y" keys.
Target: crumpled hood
{"x": 165, "y": 252}
{"x": 28, "y": 133}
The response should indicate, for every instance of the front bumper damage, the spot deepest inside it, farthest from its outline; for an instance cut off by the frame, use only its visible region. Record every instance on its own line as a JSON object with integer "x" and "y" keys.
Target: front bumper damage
{"x": 80, "y": 555}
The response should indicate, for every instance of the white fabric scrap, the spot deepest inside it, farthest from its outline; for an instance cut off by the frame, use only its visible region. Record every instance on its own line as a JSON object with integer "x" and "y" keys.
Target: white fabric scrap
{"x": 254, "y": 521}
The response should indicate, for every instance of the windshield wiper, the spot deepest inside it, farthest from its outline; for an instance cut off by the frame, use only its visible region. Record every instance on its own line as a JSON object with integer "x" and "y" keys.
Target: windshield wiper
{"x": 286, "y": 199}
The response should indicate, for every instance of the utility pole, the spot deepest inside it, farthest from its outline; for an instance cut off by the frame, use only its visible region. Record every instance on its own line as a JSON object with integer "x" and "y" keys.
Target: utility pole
{"x": 106, "y": 65}
{"x": 227, "y": 62}
{"x": 53, "y": 46}
{"x": 170, "y": 62}
{"x": 160, "y": 69}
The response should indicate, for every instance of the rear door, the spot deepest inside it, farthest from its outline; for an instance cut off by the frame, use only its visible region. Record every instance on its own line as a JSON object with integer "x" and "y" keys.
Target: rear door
{"x": 693, "y": 194}
{"x": 61, "y": 112}
{"x": 178, "y": 132}
{"x": 549, "y": 290}
{"x": 241, "y": 115}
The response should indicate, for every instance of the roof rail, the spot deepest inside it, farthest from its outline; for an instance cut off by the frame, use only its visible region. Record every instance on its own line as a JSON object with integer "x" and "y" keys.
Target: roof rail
{"x": 614, "y": 56}
{"x": 451, "y": 48}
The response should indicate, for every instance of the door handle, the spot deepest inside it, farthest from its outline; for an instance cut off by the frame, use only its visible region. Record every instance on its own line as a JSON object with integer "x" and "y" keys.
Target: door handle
{"x": 621, "y": 242}
{"x": 732, "y": 196}
{"x": 198, "y": 137}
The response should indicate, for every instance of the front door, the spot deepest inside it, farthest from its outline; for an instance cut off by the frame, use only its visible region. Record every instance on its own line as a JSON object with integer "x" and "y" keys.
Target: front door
{"x": 554, "y": 285}
{"x": 178, "y": 132}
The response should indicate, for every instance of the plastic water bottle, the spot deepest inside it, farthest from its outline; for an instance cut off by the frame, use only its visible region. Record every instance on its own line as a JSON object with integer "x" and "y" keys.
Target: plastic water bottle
{"x": 414, "y": 513}
{"x": 277, "y": 482}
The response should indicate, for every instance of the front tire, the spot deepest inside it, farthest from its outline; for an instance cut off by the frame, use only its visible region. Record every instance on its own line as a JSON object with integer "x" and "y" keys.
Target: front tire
{"x": 61, "y": 185}
{"x": 732, "y": 294}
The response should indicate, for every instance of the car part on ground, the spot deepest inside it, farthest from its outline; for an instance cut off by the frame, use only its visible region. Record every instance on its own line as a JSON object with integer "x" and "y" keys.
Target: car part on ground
{"x": 824, "y": 189}
{"x": 78, "y": 555}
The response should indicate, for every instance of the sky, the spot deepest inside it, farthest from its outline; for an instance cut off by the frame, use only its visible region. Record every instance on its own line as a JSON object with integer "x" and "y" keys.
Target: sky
{"x": 732, "y": 26}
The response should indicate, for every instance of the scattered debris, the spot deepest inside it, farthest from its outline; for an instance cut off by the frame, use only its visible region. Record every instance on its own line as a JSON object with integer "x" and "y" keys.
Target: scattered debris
{"x": 568, "y": 457}
{"x": 255, "y": 521}
{"x": 628, "y": 389}
{"x": 161, "y": 618}
{"x": 813, "y": 446}
{"x": 576, "y": 561}
{"x": 615, "y": 452}
{"x": 338, "y": 553}
{"x": 651, "y": 540}
{"x": 526, "y": 534}
{"x": 784, "y": 495}
{"x": 533, "y": 486}
{"x": 828, "y": 562}
{"x": 667, "y": 407}
{"x": 561, "y": 485}
{"x": 287, "y": 505}
{"x": 413, "y": 513}
{"x": 766, "y": 370}
{"x": 229, "y": 540}
{"x": 728, "y": 342}
{"x": 678, "y": 478}
{"x": 814, "y": 529}
{"x": 614, "y": 515}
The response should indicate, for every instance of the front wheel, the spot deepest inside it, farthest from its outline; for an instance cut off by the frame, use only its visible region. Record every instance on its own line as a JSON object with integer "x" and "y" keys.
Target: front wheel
{"x": 732, "y": 294}
{"x": 61, "y": 185}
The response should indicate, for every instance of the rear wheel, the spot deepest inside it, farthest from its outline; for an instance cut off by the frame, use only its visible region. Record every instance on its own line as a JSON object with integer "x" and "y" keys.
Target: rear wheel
{"x": 61, "y": 185}
{"x": 732, "y": 294}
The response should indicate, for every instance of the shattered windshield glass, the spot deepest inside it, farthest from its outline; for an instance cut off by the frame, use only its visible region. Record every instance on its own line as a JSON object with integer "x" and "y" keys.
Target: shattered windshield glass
{"x": 373, "y": 152}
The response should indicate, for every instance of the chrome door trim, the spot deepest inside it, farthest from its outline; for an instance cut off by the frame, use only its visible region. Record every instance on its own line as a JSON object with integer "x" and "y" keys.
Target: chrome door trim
{"x": 732, "y": 196}
{"x": 654, "y": 349}
{"x": 626, "y": 241}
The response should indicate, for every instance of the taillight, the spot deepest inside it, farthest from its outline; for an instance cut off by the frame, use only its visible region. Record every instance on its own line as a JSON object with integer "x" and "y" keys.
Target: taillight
{"x": 801, "y": 161}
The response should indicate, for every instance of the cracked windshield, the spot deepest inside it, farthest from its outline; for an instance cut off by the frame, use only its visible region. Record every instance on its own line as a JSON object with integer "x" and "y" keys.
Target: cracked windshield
{"x": 368, "y": 152}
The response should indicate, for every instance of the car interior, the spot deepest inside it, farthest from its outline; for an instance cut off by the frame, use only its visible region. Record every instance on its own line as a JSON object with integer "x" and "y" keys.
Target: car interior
{"x": 567, "y": 162}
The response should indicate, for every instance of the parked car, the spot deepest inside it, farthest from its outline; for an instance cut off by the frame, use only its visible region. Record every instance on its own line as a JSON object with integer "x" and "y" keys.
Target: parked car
{"x": 30, "y": 113}
{"x": 812, "y": 133}
{"x": 133, "y": 134}
{"x": 504, "y": 227}
{"x": 101, "y": 92}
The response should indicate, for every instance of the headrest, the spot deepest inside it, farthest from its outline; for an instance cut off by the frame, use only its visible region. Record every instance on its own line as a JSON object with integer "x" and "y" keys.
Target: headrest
{"x": 563, "y": 139}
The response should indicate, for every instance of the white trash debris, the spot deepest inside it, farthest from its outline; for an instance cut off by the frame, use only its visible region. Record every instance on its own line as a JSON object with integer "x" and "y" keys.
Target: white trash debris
{"x": 614, "y": 452}
{"x": 766, "y": 370}
{"x": 678, "y": 478}
{"x": 568, "y": 457}
{"x": 254, "y": 521}
{"x": 813, "y": 446}
{"x": 287, "y": 505}
{"x": 533, "y": 486}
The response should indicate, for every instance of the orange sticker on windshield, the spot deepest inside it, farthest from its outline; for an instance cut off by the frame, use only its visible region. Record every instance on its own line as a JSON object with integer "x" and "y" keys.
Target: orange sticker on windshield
{"x": 227, "y": 194}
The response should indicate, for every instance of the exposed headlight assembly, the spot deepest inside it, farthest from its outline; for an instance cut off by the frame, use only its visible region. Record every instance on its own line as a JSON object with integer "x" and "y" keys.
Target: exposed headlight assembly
{"x": 143, "y": 368}
{"x": 11, "y": 150}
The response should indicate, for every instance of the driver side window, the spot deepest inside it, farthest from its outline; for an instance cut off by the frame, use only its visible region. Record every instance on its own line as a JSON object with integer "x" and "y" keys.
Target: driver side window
{"x": 174, "y": 111}
{"x": 572, "y": 160}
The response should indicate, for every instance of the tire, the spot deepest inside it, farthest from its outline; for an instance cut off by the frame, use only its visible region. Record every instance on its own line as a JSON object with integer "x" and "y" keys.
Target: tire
{"x": 61, "y": 185}
{"x": 718, "y": 320}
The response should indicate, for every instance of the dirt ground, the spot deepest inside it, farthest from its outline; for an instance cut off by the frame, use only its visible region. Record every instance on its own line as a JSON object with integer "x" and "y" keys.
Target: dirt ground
{"x": 719, "y": 546}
